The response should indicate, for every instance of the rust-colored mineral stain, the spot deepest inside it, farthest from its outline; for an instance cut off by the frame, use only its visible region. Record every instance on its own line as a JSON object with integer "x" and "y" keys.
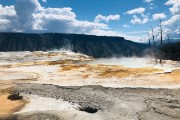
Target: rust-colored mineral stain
{"x": 85, "y": 76}
{"x": 121, "y": 72}
{"x": 163, "y": 79}
{"x": 173, "y": 77}
{"x": 8, "y": 107}
{"x": 109, "y": 71}
{"x": 72, "y": 67}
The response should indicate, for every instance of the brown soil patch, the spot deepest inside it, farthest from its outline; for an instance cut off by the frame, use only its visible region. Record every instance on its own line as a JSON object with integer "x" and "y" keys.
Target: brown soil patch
{"x": 8, "y": 107}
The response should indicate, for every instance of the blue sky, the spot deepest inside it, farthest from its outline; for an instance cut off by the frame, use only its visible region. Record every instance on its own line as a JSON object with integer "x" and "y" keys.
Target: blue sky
{"x": 128, "y": 18}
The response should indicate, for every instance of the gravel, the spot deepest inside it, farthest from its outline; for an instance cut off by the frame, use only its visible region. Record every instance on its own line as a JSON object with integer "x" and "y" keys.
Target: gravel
{"x": 110, "y": 103}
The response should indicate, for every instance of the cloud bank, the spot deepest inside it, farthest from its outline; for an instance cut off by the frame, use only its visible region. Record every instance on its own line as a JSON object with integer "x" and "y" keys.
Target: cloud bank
{"x": 30, "y": 16}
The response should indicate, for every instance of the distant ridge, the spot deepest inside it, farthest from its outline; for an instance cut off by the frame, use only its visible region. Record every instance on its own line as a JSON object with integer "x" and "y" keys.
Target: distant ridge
{"x": 96, "y": 46}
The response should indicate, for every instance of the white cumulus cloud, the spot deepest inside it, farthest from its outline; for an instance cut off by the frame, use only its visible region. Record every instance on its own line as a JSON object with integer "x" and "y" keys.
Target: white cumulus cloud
{"x": 7, "y": 17}
{"x": 100, "y": 18}
{"x": 175, "y": 9}
{"x": 142, "y": 19}
{"x": 159, "y": 16}
{"x": 7, "y": 10}
{"x": 125, "y": 26}
{"x": 25, "y": 10}
{"x": 148, "y": 1}
{"x": 140, "y": 10}
{"x": 30, "y": 16}
{"x": 44, "y": 1}
{"x": 137, "y": 20}
{"x": 173, "y": 24}
{"x": 170, "y": 26}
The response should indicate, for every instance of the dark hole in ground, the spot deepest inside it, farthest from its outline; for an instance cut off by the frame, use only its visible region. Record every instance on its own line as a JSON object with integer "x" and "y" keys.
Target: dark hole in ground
{"x": 89, "y": 109}
{"x": 15, "y": 97}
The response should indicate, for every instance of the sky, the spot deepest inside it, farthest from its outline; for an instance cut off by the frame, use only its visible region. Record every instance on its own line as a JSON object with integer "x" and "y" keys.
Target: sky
{"x": 131, "y": 19}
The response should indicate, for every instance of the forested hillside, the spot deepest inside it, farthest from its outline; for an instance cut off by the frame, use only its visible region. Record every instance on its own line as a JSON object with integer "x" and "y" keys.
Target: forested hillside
{"x": 96, "y": 46}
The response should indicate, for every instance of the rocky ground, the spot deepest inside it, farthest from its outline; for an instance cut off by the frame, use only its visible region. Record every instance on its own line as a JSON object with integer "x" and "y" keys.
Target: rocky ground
{"x": 100, "y": 103}
{"x": 69, "y": 86}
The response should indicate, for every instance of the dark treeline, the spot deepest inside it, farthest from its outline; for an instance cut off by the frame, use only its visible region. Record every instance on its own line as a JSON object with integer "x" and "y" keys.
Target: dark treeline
{"x": 171, "y": 51}
{"x": 162, "y": 49}
{"x": 96, "y": 46}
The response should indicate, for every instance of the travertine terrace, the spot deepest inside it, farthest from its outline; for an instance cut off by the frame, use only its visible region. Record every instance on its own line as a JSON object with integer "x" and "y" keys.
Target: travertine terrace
{"x": 50, "y": 85}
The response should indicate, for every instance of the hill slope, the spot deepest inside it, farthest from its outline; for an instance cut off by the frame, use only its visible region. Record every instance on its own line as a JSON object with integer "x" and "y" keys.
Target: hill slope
{"x": 96, "y": 46}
